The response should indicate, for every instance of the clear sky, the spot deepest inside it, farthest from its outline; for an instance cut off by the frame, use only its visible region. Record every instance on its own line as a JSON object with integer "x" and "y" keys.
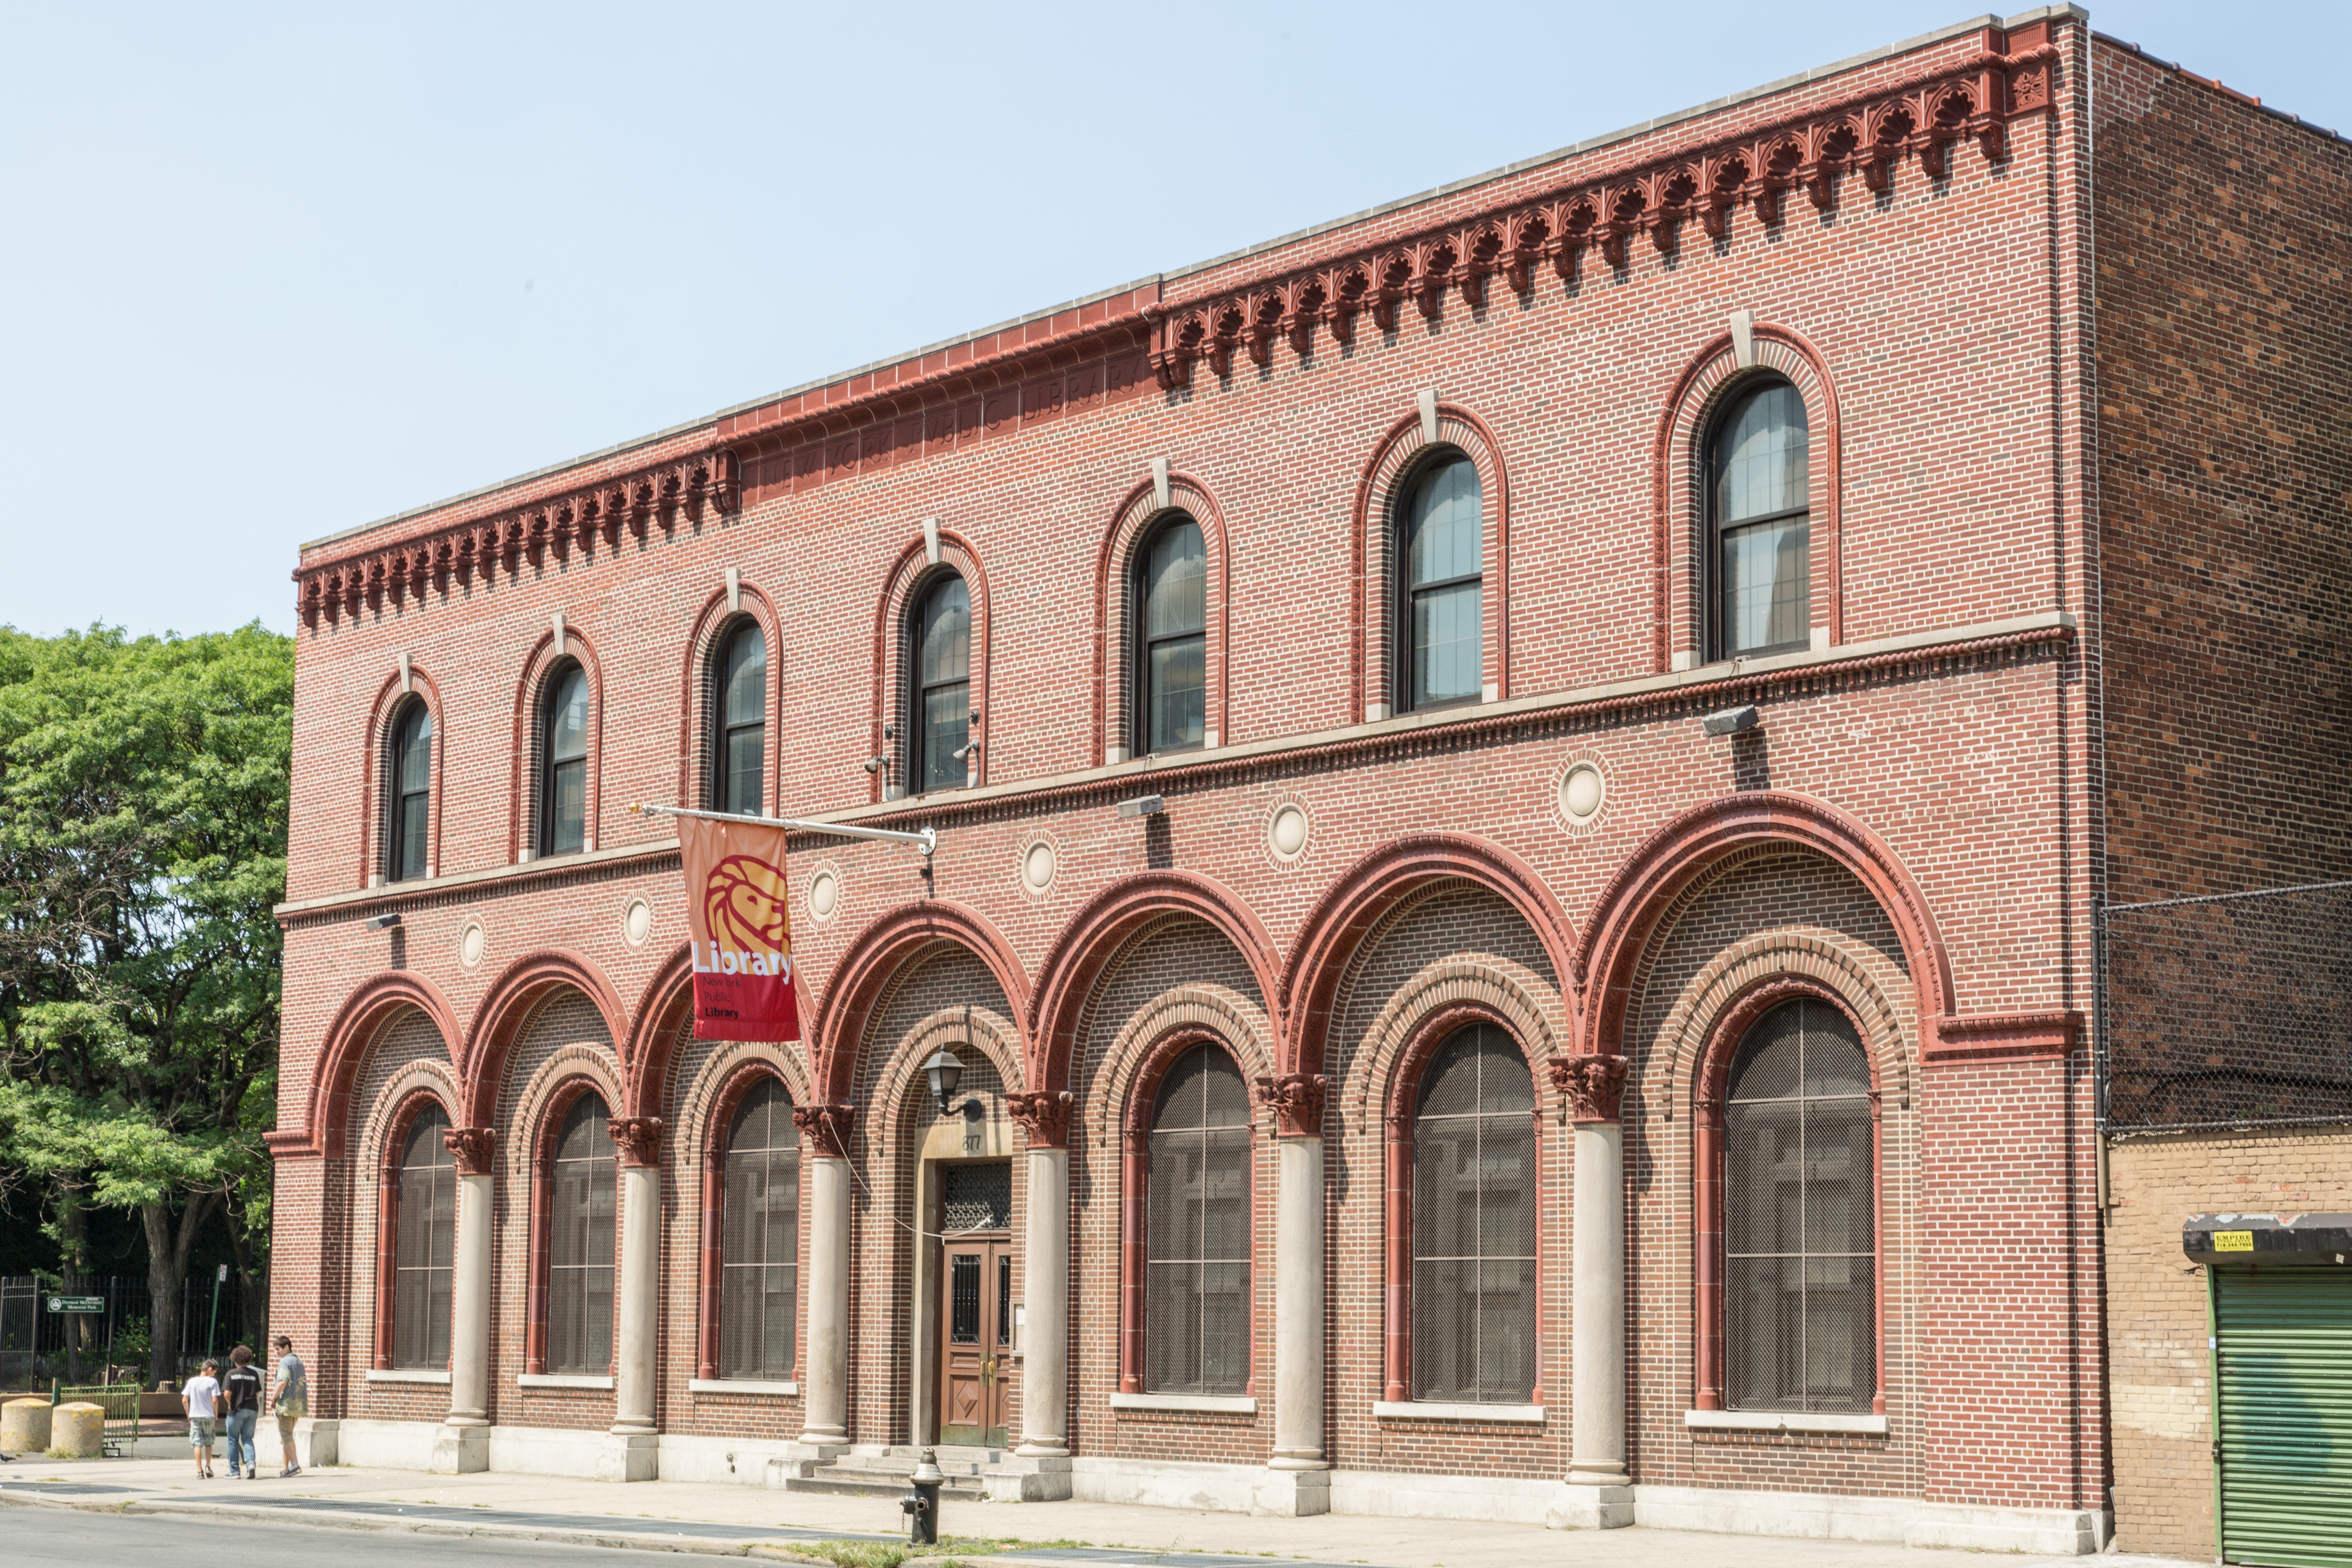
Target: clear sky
{"x": 270, "y": 273}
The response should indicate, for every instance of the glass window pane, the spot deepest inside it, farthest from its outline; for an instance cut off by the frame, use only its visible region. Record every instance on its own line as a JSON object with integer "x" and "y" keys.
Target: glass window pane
{"x": 1760, "y": 456}
{"x": 963, "y": 1298}
{"x": 744, "y": 676}
{"x": 1445, "y": 638}
{"x": 1198, "y": 1229}
{"x": 1176, "y": 583}
{"x": 416, "y": 750}
{"x": 1474, "y": 1223}
{"x": 1443, "y": 524}
{"x": 1176, "y": 693}
{"x": 943, "y": 642}
{"x": 947, "y": 726}
{"x": 567, "y": 716}
{"x": 567, "y": 820}
{"x": 1767, "y": 585}
{"x": 746, "y": 770}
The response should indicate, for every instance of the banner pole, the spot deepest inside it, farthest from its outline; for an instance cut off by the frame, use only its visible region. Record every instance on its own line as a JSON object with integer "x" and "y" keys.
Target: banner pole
{"x": 926, "y": 841}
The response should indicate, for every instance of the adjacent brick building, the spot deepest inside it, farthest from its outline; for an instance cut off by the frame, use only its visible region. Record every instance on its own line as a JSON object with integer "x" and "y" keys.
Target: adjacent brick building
{"x": 1568, "y": 711}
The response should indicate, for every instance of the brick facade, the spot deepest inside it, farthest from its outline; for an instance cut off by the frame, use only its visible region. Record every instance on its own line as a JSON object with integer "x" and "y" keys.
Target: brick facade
{"x": 1914, "y": 829}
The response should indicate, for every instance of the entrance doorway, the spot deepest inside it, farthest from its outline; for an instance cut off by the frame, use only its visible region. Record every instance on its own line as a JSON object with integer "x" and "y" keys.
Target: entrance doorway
{"x": 975, "y": 1301}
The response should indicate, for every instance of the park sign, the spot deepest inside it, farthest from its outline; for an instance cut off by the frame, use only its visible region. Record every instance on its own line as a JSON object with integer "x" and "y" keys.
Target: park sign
{"x": 77, "y": 1303}
{"x": 740, "y": 928}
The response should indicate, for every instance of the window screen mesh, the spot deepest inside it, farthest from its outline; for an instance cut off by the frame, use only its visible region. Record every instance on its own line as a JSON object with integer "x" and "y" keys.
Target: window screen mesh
{"x": 580, "y": 1245}
{"x": 1799, "y": 1258}
{"x": 424, "y": 1246}
{"x": 1474, "y": 1242}
{"x": 1197, "y": 1274}
{"x": 759, "y": 1239}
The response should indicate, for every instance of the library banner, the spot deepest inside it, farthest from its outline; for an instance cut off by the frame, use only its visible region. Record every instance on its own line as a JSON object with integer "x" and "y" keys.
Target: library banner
{"x": 740, "y": 929}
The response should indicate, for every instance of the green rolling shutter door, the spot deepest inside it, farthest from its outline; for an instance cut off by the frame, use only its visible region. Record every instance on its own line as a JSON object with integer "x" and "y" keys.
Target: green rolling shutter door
{"x": 2283, "y": 1369}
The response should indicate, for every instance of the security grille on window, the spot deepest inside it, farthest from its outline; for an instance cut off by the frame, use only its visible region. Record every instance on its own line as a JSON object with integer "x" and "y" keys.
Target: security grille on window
{"x": 760, "y": 1244}
{"x": 976, "y": 1197}
{"x": 564, "y": 751}
{"x": 1800, "y": 1297}
{"x": 412, "y": 791}
{"x": 1474, "y": 1234}
{"x": 424, "y": 1248}
{"x": 1197, "y": 1277}
{"x": 580, "y": 1245}
{"x": 738, "y": 756}
{"x": 1441, "y": 547}
{"x": 942, "y": 694}
{"x": 1172, "y": 643}
{"x": 1763, "y": 587}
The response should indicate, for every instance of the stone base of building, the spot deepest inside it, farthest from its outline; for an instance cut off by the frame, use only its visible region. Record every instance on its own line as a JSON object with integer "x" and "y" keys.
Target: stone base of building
{"x": 459, "y": 1451}
{"x": 317, "y": 1442}
{"x": 1026, "y": 1478}
{"x": 1578, "y": 1507}
{"x": 2045, "y": 1531}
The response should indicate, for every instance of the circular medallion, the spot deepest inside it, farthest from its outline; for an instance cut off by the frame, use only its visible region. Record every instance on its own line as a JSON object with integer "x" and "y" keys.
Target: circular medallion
{"x": 470, "y": 943}
{"x": 1037, "y": 867}
{"x": 637, "y": 922}
{"x": 824, "y": 894}
{"x": 1285, "y": 831}
{"x": 1580, "y": 792}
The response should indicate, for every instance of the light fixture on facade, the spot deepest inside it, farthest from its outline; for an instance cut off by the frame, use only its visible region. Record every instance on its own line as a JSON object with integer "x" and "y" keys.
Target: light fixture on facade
{"x": 1732, "y": 721}
{"x": 383, "y": 922}
{"x": 1142, "y": 806}
{"x": 945, "y": 1069}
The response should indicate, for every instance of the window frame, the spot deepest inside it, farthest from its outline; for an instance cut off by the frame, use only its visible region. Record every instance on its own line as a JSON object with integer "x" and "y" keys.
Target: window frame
{"x": 1709, "y": 1091}
{"x": 423, "y": 1111}
{"x": 717, "y": 727}
{"x": 551, "y": 693}
{"x": 1141, "y": 642}
{"x": 539, "y": 1289}
{"x": 1715, "y": 588}
{"x": 715, "y": 1205}
{"x": 1135, "y": 1206}
{"x": 918, "y": 756}
{"x": 410, "y": 710}
{"x": 1402, "y": 695}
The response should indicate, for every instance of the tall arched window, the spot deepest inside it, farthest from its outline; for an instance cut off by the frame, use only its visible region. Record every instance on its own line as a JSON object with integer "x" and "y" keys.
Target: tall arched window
{"x": 1171, "y": 640}
{"x": 427, "y": 1246}
{"x": 759, "y": 1248}
{"x": 563, "y": 753}
{"x": 942, "y": 698}
{"x": 1474, "y": 1231}
{"x": 1799, "y": 1234}
{"x": 580, "y": 1243}
{"x": 1197, "y": 1277}
{"x": 1756, "y": 495}
{"x": 411, "y": 776}
{"x": 738, "y": 725}
{"x": 1440, "y": 545}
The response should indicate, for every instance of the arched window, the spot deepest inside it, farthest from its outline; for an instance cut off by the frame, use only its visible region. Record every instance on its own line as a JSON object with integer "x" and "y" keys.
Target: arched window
{"x": 1439, "y": 543}
{"x": 760, "y": 1250}
{"x": 1474, "y": 1231}
{"x": 411, "y": 776}
{"x": 564, "y": 752}
{"x": 1171, "y": 641}
{"x": 1798, "y": 1217}
{"x": 580, "y": 1243}
{"x": 1197, "y": 1276}
{"x": 427, "y": 1246}
{"x": 942, "y": 698}
{"x": 738, "y": 725}
{"x": 1757, "y": 496}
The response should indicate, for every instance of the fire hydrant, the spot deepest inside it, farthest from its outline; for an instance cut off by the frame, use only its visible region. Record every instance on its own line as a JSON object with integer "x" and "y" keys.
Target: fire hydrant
{"x": 921, "y": 1503}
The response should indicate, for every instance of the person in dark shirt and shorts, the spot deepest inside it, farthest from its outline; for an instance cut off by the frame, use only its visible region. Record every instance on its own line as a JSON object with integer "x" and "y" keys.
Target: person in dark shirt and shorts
{"x": 241, "y": 1393}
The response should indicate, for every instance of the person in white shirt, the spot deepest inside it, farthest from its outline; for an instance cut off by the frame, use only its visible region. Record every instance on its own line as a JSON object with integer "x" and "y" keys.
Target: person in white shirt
{"x": 200, "y": 1396}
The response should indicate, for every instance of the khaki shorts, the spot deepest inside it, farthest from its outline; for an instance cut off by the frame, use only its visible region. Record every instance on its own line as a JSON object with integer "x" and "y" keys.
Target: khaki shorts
{"x": 289, "y": 1412}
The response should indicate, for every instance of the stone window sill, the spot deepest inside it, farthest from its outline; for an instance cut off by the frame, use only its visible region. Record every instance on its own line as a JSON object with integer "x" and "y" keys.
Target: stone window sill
{"x": 553, "y": 1380}
{"x": 742, "y": 1385}
{"x": 407, "y": 1374}
{"x": 1781, "y": 1421}
{"x": 1432, "y": 1410}
{"x": 1204, "y": 1403}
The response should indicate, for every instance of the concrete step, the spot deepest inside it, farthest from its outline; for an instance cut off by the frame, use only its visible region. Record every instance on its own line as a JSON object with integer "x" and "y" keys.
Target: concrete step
{"x": 838, "y": 1482}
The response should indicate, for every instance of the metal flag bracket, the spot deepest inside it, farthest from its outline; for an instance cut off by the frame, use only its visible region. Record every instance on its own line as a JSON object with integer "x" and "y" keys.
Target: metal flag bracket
{"x": 925, "y": 840}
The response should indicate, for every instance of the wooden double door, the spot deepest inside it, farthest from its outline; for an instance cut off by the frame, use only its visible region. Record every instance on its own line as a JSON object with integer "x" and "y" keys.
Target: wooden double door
{"x": 975, "y": 1337}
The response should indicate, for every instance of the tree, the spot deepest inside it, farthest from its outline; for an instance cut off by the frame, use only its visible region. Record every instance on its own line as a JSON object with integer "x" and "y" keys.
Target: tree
{"x": 142, "y": 848}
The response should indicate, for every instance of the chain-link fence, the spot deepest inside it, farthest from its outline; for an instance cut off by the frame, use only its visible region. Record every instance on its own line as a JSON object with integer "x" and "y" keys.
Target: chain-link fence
{"x": 2229, "y": 1011}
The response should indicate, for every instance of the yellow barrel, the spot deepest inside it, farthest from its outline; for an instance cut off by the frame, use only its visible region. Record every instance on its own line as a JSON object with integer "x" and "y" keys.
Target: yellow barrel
{"x": 76, "y": 1429}
{"x": 24, "y": 1426}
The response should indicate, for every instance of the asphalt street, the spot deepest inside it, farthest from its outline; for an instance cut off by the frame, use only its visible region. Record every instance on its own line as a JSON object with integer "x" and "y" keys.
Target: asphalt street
{"x": 59, "y": 1537}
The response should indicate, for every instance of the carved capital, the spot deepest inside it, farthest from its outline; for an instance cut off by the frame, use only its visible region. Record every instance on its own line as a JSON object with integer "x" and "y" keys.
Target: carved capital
{"x": 1593, "y": 1085}
{"x": 1296, "y": 1101}
{"x": 472, "y": 1146}
{"x": 639, "y": 1138}
{"x": 826, "y": 1127}
{"x": 1043, "y": 1116}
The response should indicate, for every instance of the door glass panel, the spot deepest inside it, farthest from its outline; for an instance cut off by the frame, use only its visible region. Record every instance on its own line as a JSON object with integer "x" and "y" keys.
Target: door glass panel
{"x": 963, "y": 1298}
{"x": 1004, "y": 1298}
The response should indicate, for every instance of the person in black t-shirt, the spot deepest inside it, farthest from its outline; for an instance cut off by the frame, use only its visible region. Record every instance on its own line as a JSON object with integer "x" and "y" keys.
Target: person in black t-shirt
{"x": 241, "y": 1393}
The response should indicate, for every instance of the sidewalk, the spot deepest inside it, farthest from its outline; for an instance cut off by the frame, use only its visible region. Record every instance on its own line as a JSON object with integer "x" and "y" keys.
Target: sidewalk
{"x": 694, "y": 1517}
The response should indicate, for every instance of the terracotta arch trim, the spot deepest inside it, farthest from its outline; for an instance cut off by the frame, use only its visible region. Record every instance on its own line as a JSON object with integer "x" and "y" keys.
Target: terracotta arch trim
{"x": 875, "y": 957}
{"x": 376, "y": 782}
{"x": 361, "y": 1017}
{"x": 1138, "y": 514}
{"x": 695, "y": 689}
{"x": 910, "y": 571}
{"x": 524, "y": 763}
{"x": 650, "y": 1047}
{"x": 509, "y": 1003}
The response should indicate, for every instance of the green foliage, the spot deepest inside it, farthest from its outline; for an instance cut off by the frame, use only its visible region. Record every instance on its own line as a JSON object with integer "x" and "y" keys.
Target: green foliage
{"x": 143, "y": 788}
{"x": 891, "y": 1553}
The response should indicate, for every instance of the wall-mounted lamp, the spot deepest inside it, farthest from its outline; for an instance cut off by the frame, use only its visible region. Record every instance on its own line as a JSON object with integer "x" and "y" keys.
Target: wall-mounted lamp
{"x": 945, "y": 1069}
{"x": 1142, "y": 806}
{"x": 1732, "y": 721}
{"x": 383, "y": 922}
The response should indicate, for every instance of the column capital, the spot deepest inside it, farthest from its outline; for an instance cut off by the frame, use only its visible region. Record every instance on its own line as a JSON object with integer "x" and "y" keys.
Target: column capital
{"x": 826, "y": 1127}
{"x": 639, "y": 1138}
{"x": 1043, "y": 1116}
{"x": 1594, "y": 1086}
{"x": 1296, "y": 1101}
{"x": 472, "y": 1147}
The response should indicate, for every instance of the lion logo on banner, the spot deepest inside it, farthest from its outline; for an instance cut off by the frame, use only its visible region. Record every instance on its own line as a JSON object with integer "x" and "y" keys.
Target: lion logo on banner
{"x": 743, "y": 906}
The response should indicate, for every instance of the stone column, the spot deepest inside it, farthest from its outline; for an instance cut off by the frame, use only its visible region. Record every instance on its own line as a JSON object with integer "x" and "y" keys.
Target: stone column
{"x": 637, "y": 1358}
{"x": 1299, "y": 1479}
{"x": 825, "y": 1390}
{"x": 1039, "y": 1470}
{"x": 1597, "y": 1495}
{"x": 463, "y": 1443}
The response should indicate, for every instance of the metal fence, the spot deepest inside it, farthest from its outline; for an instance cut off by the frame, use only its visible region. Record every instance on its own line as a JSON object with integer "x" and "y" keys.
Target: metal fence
{"x": 2225, "y": 1012}
{"x": 115, "y": 1343}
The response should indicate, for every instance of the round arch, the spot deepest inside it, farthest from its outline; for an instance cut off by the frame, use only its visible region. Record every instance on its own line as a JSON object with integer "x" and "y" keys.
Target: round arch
{"x": 915, "y": 565}
{"x": 376, "y": 786}
{"x": 1138, "y": 513}
{"x": 721, "y": 614}
{"x": 651, "y": 1044}
{"x": 361, "y": 1017}
{"x": 510, "y": 1002}
{"x": 1354, "y": 905}
{"x": 877, "y": 953}
{"x": 523, "y": 758}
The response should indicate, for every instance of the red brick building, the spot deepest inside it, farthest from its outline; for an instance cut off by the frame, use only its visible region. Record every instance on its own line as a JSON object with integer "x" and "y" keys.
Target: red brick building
{"x": 1520, "y": 782}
